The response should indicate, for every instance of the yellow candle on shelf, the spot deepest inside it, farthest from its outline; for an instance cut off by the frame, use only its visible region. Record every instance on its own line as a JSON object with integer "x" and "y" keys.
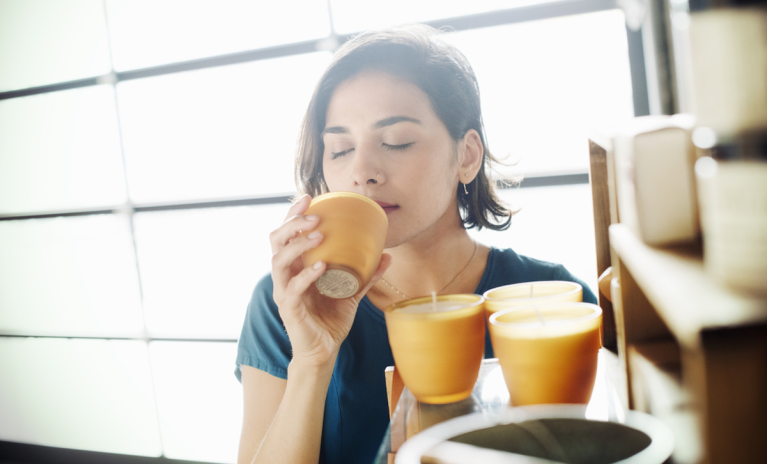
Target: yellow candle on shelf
{"x": 527, "y": 293}
{"x": 438, "y": 345}
{"x": 548, "y": 353}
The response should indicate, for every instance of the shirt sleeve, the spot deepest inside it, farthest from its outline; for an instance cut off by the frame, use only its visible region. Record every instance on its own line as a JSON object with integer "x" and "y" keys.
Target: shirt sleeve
{"x": 588, "y": 295}
{"x": 263, "y": 343}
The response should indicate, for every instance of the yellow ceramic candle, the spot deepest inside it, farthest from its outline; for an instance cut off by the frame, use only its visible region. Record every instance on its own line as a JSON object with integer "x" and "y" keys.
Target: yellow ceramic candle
{"x": 438, "y": 344}
{"x": 548, "y": 353}
{"x": 524, "y": 294}
{"x": 354, "y": 230}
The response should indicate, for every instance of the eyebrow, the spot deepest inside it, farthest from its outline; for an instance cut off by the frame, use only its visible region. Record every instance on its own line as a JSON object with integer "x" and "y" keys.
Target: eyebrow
{"x": 394, "y": 120}
{"x": 379, "y": 125}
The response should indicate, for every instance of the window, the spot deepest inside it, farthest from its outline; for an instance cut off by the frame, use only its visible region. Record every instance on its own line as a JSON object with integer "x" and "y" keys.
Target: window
{"x": 146, "y": 152}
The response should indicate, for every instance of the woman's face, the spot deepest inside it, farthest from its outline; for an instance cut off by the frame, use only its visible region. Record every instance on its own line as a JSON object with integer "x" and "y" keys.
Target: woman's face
{"x": 383, "y": 140}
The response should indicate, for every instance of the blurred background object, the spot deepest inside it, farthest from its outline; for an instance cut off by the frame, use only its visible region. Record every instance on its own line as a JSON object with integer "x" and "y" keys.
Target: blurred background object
{"x": 146, "y": 152}
{"x": 690, "y": 308}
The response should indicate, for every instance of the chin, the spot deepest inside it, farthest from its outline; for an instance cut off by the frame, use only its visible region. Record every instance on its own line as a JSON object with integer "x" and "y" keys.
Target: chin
{"x": 393, "y": 239}
{"x": 390, "y": 243}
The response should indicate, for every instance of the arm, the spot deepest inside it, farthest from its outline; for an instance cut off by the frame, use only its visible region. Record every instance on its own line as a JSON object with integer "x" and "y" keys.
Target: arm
{"x": 282, "y": 419}
{"x": 262, "y": 394}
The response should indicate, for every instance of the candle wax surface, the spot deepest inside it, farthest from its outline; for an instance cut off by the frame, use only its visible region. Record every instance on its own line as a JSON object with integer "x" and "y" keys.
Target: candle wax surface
{"x": 439, "y": 307}
{"x": 545, "y": 289}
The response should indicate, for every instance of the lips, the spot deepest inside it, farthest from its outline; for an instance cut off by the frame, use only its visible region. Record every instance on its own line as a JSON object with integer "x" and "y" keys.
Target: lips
{"x": 387, "y": 207}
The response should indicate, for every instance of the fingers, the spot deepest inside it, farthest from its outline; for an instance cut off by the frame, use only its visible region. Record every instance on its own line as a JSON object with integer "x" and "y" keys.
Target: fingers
{"x": 300, "y": 206}
{"x": 294, "y": 223}
{"x": 383, "y": 265}
{"x": 282, "y": 260}
{"x": 300, "y": 283}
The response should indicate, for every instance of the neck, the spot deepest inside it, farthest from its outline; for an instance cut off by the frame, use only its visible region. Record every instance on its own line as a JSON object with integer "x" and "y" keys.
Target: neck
{"x": 427, "y": 264}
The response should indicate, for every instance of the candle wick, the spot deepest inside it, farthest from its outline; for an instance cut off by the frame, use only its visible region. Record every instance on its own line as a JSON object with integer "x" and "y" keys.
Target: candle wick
{"x": 434, "y": 301}
{"x": 540, "y": 317}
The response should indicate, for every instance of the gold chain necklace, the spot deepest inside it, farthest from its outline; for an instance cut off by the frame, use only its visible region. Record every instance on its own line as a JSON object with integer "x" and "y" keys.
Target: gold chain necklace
{"x": 443, "y": 288}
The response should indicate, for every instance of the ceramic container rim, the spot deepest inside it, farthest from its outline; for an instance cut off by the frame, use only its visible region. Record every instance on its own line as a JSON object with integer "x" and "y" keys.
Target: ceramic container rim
{"x": 328, "y": 196}
{"x": 578, "y": 288}
{"x": 474, "y": 299}
{"x": 660, "y": 448}
{"x": 493, "y": 320}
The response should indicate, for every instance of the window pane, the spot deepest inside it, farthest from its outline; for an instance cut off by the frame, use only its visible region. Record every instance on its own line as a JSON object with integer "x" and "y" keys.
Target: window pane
{"x": 199, "y": 267}
{"x": 554, "y": 224}
{"x": 220, "y": 132}
{"x": 359, "y": 15}
{"x": 48, "y": 41}
{"x": 73, "y": 276}
{"x": 199, "y": 400}
{"x": 544, "y": 84}
{"x": 92, "y": 395}
{"x": 148, "y": 33}
{"x": 60, "y": 151}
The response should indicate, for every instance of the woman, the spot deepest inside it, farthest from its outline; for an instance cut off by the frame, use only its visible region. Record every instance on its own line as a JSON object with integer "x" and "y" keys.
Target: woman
{"x": 396, "y": 117}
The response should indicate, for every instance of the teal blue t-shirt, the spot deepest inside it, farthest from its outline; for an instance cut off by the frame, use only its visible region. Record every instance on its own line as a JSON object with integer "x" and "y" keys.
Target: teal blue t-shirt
{"x": 356, "y": 410}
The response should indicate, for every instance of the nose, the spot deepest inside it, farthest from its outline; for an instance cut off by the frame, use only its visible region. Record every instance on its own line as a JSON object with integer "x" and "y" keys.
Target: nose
{"x": 365, "y": 169}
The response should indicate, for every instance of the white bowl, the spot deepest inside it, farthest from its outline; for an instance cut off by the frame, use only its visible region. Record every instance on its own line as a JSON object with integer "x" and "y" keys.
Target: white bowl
{"x": 542, "y": 434}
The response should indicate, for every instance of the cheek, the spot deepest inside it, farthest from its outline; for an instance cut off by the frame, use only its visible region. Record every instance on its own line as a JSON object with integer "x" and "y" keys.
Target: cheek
{"x": 442, "y": 173}
{"x": 435, "y": 186}
{"x": 332, "y": 175}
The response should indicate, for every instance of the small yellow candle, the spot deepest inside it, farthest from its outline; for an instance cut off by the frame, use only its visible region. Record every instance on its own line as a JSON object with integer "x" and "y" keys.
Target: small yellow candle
{"x": 527, "y": 293}
{"x": 438, "y": 346}
{"x": 548, "y": 353}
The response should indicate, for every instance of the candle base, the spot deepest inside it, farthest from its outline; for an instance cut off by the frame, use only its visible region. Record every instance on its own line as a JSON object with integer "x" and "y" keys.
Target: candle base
{"x": 443, "y": 399}
{"x": 338, "y": 282}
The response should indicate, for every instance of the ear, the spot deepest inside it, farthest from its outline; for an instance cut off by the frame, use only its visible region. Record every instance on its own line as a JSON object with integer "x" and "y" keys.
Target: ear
{"x": 470, "y": 156}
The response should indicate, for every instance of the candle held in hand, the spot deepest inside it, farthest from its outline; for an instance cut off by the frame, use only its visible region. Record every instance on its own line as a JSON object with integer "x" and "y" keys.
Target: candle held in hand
{"x": 354, "y": 230}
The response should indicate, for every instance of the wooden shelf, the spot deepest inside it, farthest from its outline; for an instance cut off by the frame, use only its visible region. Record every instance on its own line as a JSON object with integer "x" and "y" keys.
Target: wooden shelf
{"x": 666, "y": 308}
{"x": 685, "y": 298}
{"x": 666, "y": 299}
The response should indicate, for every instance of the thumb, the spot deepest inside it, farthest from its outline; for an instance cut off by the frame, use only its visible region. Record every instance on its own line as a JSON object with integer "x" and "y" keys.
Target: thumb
{"x": 383, "y": 265}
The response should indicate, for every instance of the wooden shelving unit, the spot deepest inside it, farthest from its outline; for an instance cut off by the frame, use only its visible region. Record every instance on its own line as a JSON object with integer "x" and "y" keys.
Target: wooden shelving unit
{"x": 685, "y": 298}
{"x": 665, "y": 299}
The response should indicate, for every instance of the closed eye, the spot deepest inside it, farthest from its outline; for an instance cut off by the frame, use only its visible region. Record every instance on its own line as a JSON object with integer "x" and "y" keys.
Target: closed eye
{"x": 340, "y": 153}
{"x": 397, "y": 147}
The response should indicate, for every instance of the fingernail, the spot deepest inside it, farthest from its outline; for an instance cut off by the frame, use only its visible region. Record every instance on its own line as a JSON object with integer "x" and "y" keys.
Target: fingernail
{"x": 317, "y": 265}
{"x": 315, "y": 234}
{"x": 311, "y": 217}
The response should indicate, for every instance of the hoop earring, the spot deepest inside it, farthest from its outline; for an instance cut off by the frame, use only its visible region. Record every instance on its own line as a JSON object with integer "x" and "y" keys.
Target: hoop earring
{"x": 464, "y": 189}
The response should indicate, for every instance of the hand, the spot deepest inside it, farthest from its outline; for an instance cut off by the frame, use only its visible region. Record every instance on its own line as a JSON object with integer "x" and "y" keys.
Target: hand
{"x": 316, "y": 324}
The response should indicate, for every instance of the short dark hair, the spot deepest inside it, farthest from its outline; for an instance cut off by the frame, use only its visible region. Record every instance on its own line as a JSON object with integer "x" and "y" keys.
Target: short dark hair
{"x": 442, "y": 72}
